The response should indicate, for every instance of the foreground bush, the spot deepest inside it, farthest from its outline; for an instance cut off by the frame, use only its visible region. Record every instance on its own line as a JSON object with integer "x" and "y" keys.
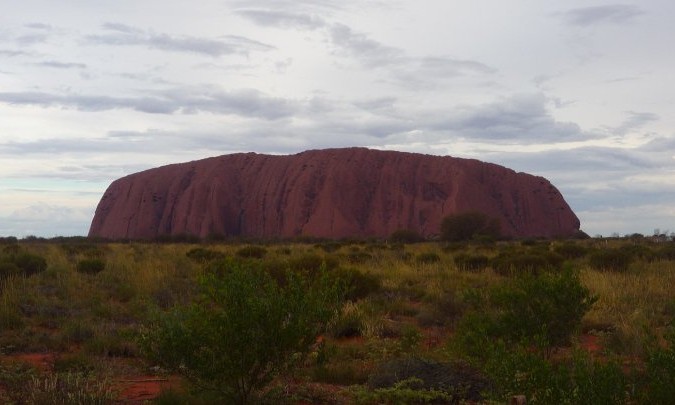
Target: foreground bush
{"x": 244, "y": 329}
{"x": 579, "y": 380}
{"x": 660, "y": 372}
{"x": 545, "y": 309}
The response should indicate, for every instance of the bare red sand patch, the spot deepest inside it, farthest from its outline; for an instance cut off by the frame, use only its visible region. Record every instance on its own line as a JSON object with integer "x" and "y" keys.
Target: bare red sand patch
{"x": 590, "y": 343}
{"x": 41, "y": 361}
{"x": 137, "y": 390}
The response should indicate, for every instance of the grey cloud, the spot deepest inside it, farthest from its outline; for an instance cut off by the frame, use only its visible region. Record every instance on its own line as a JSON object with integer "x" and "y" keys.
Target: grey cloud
{"x": 344, "y": 38}
{"x": 12, "y": 53}
{"x": 611, "y": 13}
{"x": 127, "y": 29}
{"x": 46, "y": 220}
{"x": 123, "y": 35}
{"x": 370, "y": 52}
{"x": 249, "y": 103}
{"x": 594, "y": 178}
{"x": 450, "y": 66}
{"x": 39, "y": 26}
{"x": 283, "y": 19}
{"x": 635, "y": 121}
{"x": 430, "y": 71}
{"x": 377, "y": 105}
{"x": 61, "y": 65}
{"x": 662, "y": 144}
{"x": 293, "y": 5}
{"x": 511, "y": 120}
{"x": 587, "y": 159}
{"x": 30, "y": 39}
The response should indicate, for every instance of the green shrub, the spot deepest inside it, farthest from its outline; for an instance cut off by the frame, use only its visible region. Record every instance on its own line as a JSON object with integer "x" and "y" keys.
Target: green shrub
{"x": 89, "y": 250}
{"x": 616, "y": 260}
{"x": 666, "y": 252}
{"x": 405, "y": 236}
{"x": 8, "y": 269}
{"x": 329, "y": 247}
{"x": 310, "y": 263}
{"x": 523, "y": 262}
{"x": 427, "y": 258}
{"x": 357, "y": 283}
{"x": 545, "y": 309}
{"x": 451, "y": 382}
{"x": 659, "y": 384}
{"x": 30, "y": 263}
{"x": 244, "y": 329}
{"x": 359, "y": 257}
{"x": 252, "y": 252}
{"x": 202, "y": 255}
{"x": 570, "y": 250}
{"x": 74, "y": 363}
{"x": 467, "y": 226}
{"x": 340, "y": 374}
{"x": 641, "y": 252}
{"x": 90, "y": 266}
{"x": 580, "y": 380}
{"x": 471, "y": 262}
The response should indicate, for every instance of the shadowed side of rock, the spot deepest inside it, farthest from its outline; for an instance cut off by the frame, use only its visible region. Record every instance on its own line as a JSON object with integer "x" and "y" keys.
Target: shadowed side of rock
{"x": 332, "y": 193}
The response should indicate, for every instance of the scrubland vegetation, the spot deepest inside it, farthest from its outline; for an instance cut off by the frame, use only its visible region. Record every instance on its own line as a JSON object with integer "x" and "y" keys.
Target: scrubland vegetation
{"x": 578, "y": 322}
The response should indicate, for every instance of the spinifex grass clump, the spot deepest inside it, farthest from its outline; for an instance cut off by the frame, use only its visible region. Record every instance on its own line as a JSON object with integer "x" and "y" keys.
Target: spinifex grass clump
{"x": 203, "y": 255}
{"x": 427, "y": 258}
{"x": 91, "y": 266}
{"x": 417, "y": 380}
{"x": 570, "y": 250}
{"x": 617, "y": 259}
{"x": 534, "y": 261}
{"x": 15, "y": 261}
{"x": 471, "y": 262}
{"x": 252, "y": 252}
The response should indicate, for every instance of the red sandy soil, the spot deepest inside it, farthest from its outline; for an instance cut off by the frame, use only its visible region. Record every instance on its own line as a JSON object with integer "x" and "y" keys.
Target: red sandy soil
{"x": 133, "y": 389}
{"x": 41, "y": 361}
{"x": 590, "y": 343}
{"x": 138, "y": 389}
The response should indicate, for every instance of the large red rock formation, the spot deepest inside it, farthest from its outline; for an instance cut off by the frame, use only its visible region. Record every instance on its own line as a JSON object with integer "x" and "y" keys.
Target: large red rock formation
{"x": 332, "y": 193}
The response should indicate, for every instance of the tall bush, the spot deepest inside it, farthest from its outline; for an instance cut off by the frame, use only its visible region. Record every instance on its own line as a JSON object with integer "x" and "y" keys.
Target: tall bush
{"x": 469, "y": 225}
{"x": 244, "y": 329}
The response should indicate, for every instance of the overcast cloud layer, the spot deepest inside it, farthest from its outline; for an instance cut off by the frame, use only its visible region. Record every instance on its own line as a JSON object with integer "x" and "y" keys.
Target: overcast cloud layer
{"x": 580, "y": 92}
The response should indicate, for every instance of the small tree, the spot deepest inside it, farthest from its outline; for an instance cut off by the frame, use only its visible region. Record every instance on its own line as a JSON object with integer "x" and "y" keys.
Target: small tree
{"x": 469, "y": 225}
{"x": 244, "y": 329}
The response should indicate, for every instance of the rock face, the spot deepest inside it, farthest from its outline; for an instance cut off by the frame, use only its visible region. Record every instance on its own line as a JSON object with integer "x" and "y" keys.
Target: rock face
{"x": 332, "y": 193}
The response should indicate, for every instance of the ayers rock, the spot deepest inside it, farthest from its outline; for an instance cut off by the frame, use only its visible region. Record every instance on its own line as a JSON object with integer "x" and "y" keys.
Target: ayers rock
{"x": 331, "y": 193}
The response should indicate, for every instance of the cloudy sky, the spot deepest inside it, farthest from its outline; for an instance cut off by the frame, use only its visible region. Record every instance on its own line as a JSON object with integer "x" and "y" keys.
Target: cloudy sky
{"x": 580, "y": 92}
